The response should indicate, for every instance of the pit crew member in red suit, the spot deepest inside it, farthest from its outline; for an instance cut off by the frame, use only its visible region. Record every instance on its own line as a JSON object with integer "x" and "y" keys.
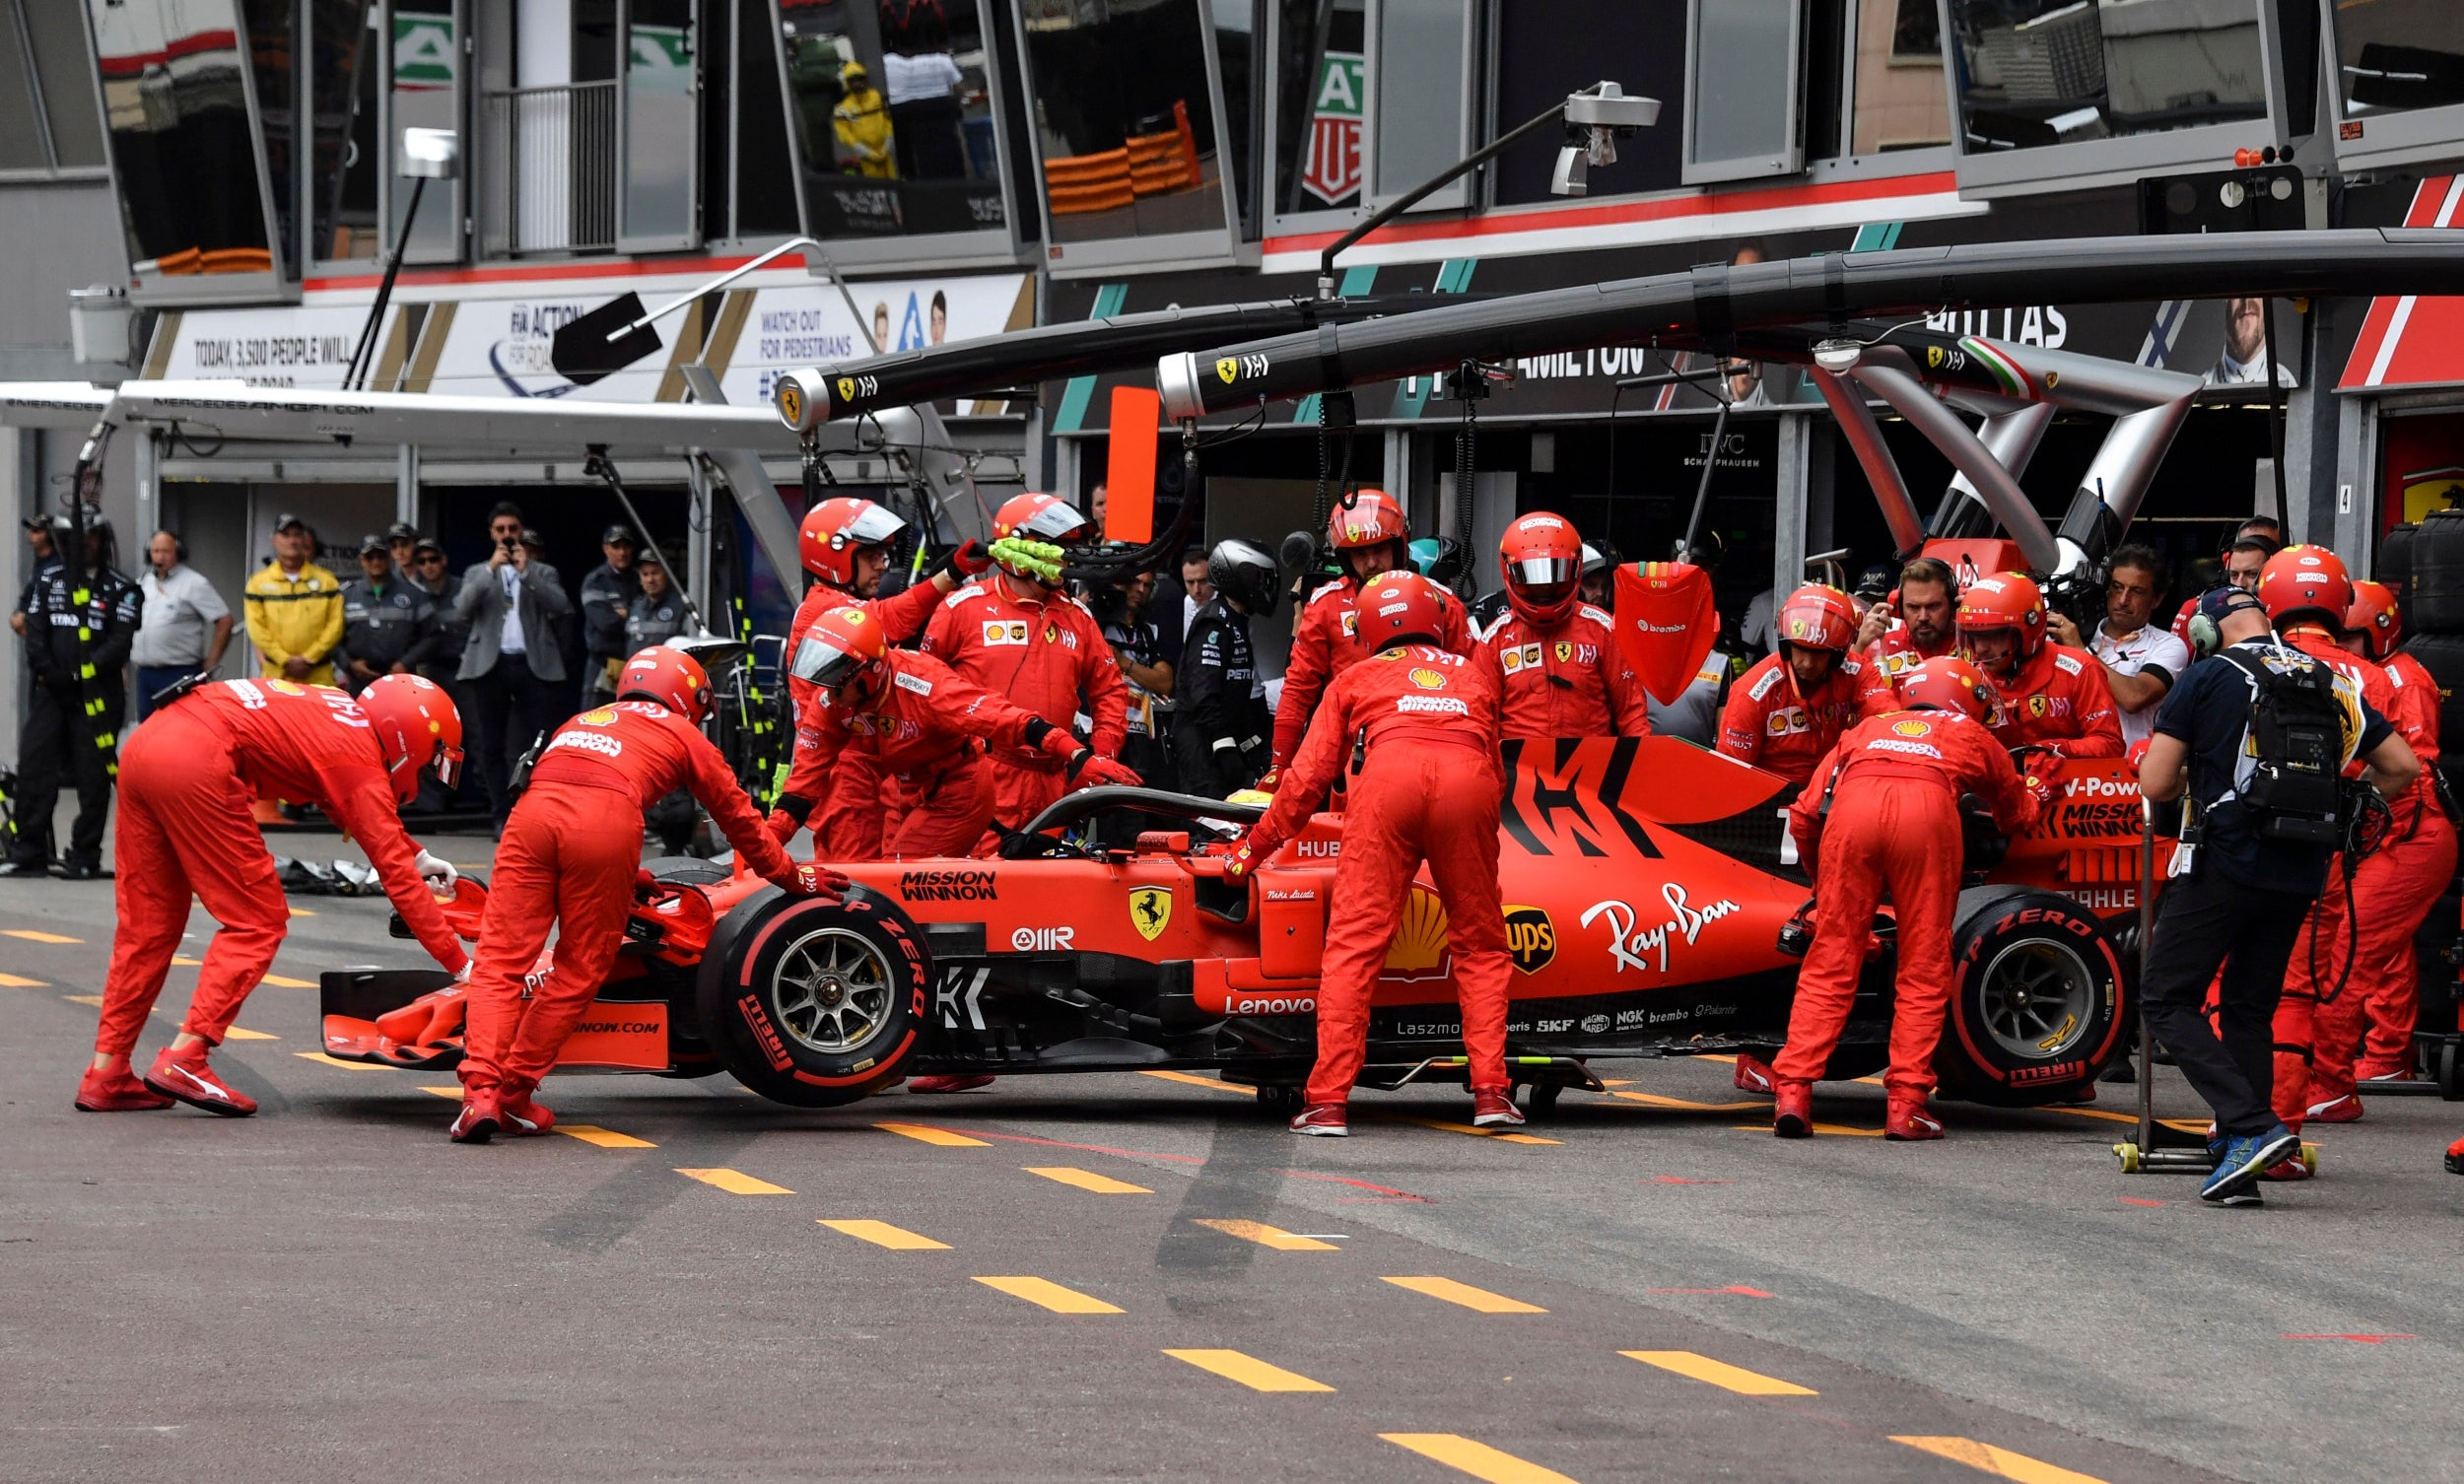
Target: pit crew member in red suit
{"x": 2054, "y": 697}
{"x": 2308, "y": 594}
{"x": 1792, "y": 707}
{"x": 1891, "y": 789}
{"x": 1371, "y": 536}
{"x": 844, "y": 543}
{"x": 1018, "y": 635}
{"x": 2393, "y": 889}
{"x": 1554, "y": 657}
{"x": 1928, "y": 597}
{"x": 570, "y": 856}
{"x": 1428, "y": 790}
{"x": 188, "y": 780}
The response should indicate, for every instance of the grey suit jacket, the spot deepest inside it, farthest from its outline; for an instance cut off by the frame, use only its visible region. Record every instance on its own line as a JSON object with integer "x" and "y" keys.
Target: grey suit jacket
{"x": 481, "y": 604}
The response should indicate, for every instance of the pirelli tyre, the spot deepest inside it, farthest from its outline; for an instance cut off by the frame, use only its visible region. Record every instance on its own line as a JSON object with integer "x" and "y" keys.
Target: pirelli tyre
{"x": 2037, "y": 1002}
{"x": 814, "y": 1003}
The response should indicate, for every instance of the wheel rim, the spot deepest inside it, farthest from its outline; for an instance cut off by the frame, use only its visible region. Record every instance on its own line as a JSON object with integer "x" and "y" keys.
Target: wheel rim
{"x": 2037, "y": 999}
{"x": 832, "y": 989}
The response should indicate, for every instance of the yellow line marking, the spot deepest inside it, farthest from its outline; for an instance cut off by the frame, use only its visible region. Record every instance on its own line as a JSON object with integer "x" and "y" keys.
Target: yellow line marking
{"x": 279, "y": 982}
{"x": 601, "y": 1138}
{"x": 241, "y": 1033}
{"x": 1505, "y": 1135}
{"x": 1050, "y": 1295}
{"x": 1477, "y": 1459}
{"x": 1210, "y": 1083}
{"x": 181, "y": 961}
{"x": 1721, "y": 1374}
{"x": 2181, "y": 1125}
{"x": 1476, "y": 1299}
{"x": 1249, "y": 1370}
{"x": 302, "y": 911}
{"x": 95, "y": 1000}
{"x": 33, "y": 935}
{"x": 1265, "y": 1236}
{"x": 19, "y": 982}
{"x": 926, "y": 1133}
{"x": 236, "y": 1033}
{"x": 1841, "y": 1130}
{"x": 882, "y": 1233}
{"x": 348, "y": 1067}
{"x": 1087, "y": 1179}
{"x": 2001, "y": 1463}
{"x": 1656, "y": 1100}
{"x": 734, "y": 1182}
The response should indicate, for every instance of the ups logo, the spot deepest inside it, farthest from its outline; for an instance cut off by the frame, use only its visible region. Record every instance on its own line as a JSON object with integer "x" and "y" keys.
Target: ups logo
{"x": 1530, "y": 937}
{"x": 1001, "y": 632}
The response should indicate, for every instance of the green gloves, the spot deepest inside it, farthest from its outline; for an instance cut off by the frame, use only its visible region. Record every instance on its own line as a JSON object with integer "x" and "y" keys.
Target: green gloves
{"x": 1034, "y": 559}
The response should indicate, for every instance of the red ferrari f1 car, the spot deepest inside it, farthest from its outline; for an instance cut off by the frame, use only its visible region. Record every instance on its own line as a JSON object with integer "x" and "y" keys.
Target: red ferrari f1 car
{"x": 1647, "y": 886}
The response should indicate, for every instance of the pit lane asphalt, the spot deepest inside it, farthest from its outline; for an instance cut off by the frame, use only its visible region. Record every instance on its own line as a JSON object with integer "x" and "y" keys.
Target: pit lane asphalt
{"x": 330, "y": 1291}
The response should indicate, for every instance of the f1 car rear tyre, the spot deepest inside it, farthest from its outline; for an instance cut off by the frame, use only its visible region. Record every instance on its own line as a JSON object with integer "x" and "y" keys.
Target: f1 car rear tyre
{"x": 2038, "y": 1006}
{"x": 814, "y": 1003}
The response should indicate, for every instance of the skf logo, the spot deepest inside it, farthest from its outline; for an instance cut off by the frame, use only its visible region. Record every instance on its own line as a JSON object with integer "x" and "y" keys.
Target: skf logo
{"x": 1530, "y": 937}
{"x": 999, "y": 631}
{"x": 1911, "y": 728}
{"x": 1151, "y": 910}
{"x": 1226, "y": 369}
{"x": 1428, "y": 680}
{"x": 1565, "y": 651}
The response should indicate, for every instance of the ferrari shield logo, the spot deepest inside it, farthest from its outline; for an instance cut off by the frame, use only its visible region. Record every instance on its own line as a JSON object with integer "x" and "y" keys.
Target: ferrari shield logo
{"x": 1565, "y": 651}
{"x": 790, "y": 404}
{"x": 1226, "y": 369}
{"x": 2036, "y": 707}
{"x": 1151, "y": 910}
{"x": 846, "y": 388}
{"x": 1933, "y": 356}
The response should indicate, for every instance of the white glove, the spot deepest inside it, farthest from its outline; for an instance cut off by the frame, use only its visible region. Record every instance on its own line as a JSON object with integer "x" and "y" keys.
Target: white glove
{"x": 461, "y": 975}
{"x": 436, "y": 872}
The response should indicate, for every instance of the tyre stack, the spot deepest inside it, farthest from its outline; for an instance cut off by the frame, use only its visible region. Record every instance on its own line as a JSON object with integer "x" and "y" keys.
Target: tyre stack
{"x": 2424, "y": 567}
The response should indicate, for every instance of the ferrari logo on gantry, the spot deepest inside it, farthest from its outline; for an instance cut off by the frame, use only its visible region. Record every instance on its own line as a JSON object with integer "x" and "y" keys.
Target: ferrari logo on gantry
{"x": 1150, "y": 910}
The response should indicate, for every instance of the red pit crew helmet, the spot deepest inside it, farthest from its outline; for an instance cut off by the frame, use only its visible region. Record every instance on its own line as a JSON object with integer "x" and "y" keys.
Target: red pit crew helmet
{"x": 1542, "y": 559}
{"x": 670, "y": 677}
{"x": 1947, "y": 682}
{"x": 2006, "y": 600}
{"x": 834, "y": 529}
{"x": 416, "y": 727}
{"x": 2376, "y": 617}
{"x": 2306, "y": 579}
{"x": 1816, "y": 616}
{"x": 842, "y": 645}
{"x": 1397, "y": 608}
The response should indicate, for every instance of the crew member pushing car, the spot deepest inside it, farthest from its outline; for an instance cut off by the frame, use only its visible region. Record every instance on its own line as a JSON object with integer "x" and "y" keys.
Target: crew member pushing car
{"x": 570, "y": 856}
{"x": 1792, "y": 707}
{"x": 844, "y": 543}
{"x": 2054, "y": 697}
{"x": 1017, "y": 635}
{"x": 1371, "y": 536}
{"x": 1881, "y": 816}
{"x": 1553, "y": 658}
{"x": 187, "y": 780}
{"x": 1419, "y": 727}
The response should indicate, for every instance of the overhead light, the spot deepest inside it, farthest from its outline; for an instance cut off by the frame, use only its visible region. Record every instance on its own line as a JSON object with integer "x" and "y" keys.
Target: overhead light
{"x": 429, "y": 154}
{"x": 98, "y": 323}
{"x": 1838, "y": 356}
{"x": 1595, "y": 120}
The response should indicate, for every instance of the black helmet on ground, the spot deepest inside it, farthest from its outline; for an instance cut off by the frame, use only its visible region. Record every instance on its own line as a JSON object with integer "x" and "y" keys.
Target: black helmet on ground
{"x": 1247, "y": 575}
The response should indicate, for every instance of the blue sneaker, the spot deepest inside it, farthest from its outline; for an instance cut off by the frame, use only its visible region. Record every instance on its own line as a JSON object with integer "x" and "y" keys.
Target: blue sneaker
{"x": 2246, "y": 1157}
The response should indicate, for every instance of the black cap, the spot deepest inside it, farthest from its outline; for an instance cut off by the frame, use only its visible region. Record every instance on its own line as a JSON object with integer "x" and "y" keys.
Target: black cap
{"x": 649, "y": 557}
{"x": 286, "y": 520}
{"x": 373, "y": 545}
{"x": 428, "y": 543}
{"x": 401, "y": 530}
{"x": 534, "y": 538}
{"x": 1875, "y": 581}
{"x": 614, "y": 535}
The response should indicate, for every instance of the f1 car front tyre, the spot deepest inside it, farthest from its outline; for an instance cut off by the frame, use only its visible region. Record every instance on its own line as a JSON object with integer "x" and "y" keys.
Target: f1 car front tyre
{"x": 812, "y": 1004}
{"x": 2039, "y": 1005}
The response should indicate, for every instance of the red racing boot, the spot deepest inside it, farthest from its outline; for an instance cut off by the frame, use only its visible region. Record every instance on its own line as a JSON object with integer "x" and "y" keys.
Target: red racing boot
{"x": 480, "y": 1119}
{"x": 1792, "y": 1116}
{"x": 2455, "y": 1158}
{"x": 964, "y": 1082}
{"x": 183, "y": 1074}
{"x": 1490, "y": 1106}
{"x": 1324, "y": 1119}
{"x": 1754, "y": 1075}
{"x": 2340, "y": 1110}
{"x": 518, "y": 1115}
{"x": 1909, "y": 1122}
{"x": 113, "y": 1088}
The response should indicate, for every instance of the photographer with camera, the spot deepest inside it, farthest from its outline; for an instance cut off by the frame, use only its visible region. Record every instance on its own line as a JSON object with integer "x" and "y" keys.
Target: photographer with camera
{"x": 2258, "y": 740}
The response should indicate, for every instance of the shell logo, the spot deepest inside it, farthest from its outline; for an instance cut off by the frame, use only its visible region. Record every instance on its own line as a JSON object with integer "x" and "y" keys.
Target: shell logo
{"x": 1428, "y": 680}
{"x": 1419, "y": 948}
{"x": 600, "y": 717}
{"x": 284, "y": 687}
{"x": 1911, "y": 728}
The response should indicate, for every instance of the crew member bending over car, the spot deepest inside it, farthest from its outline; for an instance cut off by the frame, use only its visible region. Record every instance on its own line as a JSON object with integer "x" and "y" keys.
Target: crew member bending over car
{"x": 188, "y": 780}
{"x": 1792, "y": 707}
{"x": 1554, "y": 659}
{"x": 1881, "y": 816}
{"x": 1018, "y": 635}
{"x": 570, "y": 856}
{"x": 2054, "y": 697}
{"x": 1426, "y": 724}
{"x": 844, "y": 543}
{"x": 1371, "y": 536}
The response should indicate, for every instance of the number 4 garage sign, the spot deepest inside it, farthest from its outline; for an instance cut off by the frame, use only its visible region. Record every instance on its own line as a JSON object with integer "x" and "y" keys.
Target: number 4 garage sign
{"x": 1334, "y": 171}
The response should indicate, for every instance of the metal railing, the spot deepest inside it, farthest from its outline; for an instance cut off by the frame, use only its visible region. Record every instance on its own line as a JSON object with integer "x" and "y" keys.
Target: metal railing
{"x": 556, "y": 175}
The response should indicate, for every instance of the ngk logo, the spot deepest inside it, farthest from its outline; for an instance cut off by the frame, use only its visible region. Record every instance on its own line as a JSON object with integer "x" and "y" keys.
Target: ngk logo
{"x": 2101, "y": 788}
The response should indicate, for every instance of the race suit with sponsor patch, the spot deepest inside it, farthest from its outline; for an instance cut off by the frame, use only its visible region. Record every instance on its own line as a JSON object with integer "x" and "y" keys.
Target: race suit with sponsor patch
{"x": 2060, "y": 702}
{"x": 1046, "y": 653}
{"x": 569, "y": 858}
{"x": 1897, "y": 652}
{"x": 1323, "y": 648}
{"x": 848, "y": 822}
{"x": 1428, "y": 790}
{"x": 1567, "y": 680}
{"x": 1893, "y": 785}
{"x": 1769, "y": 724}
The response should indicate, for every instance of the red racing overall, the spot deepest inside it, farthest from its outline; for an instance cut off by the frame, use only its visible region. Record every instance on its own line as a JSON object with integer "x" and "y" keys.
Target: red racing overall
{"x": 1045, "y": 654}
{"x": 1323, "y": 648}
{"x": 569, "y": 856}
{"x": 846, "y": 825}
{"x": 1896, "y": 653}
{"x": 1428, "y": 790}
{"x": 1895, "y": 784}
{"x": 1769, "y": 724}
{"x": 1567, "y": 679}
{"x": 187, "y": 780}
{"x": 2059, "y": 700}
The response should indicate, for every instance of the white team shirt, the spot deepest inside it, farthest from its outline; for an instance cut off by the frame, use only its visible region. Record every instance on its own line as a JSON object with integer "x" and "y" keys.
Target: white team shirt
{"x": 2132, "y": 653}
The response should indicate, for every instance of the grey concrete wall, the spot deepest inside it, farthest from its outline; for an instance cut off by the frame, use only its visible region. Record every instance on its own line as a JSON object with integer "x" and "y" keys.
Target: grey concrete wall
{"x": 53, "y": 238}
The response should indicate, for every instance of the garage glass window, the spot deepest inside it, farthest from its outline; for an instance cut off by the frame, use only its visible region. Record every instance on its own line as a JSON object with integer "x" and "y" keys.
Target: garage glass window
{"x": 1375, "y": 95}
{"x": 346, "y": 41}
{"x": 2399, "y": 80}
{"x": 2034, "y": 73}
{"x": 48, "y": 121}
